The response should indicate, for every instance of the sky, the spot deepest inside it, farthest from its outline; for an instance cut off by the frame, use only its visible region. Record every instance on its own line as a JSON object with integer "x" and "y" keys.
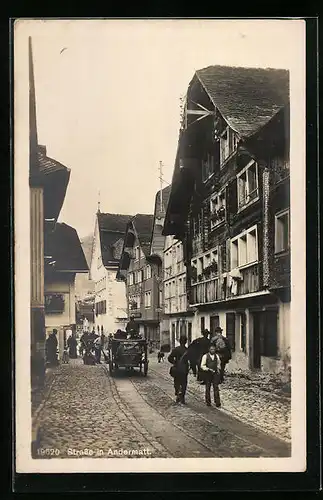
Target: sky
{"x": 108, "y": 105}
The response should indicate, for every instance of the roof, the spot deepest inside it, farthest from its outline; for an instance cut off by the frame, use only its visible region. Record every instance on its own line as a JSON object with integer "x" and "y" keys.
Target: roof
{"x": 64, "y": 247}
{"x": 246, "y": 97}
{"x": 54, "y": 177}
{"x": 143, "y": 224}
{"x": 48, "y": 165}
{"x": 112, "y": 227}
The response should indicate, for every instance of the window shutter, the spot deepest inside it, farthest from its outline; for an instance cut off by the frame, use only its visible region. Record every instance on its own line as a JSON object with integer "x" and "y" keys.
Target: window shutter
{"x": 224, "y": 257}
{"x": 233, "y": 197}
{"x": 230, "y": 328}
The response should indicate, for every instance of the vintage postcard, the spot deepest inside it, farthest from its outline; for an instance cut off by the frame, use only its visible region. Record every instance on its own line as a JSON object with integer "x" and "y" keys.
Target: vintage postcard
{"x": 160, "y": 245}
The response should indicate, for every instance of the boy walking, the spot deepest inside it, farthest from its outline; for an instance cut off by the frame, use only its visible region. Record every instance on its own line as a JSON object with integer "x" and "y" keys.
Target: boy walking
{"x": 210, "y": 365}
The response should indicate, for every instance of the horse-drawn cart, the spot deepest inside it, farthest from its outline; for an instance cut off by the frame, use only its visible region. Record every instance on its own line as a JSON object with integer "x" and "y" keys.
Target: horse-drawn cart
{"x": 128, "y": 354}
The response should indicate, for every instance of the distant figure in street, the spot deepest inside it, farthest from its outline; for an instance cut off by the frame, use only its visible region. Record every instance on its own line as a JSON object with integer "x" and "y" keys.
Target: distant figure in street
{"x": 72, "y": 346}
{"x": 210, "y": 364}
{"x": 83, "y": 342}
{"x": 132, "y": 328}
{"x": 160, "y": 356}
{"x": 179, "y": 370}
{"x": 196, "y": 350}
{"x": 51, "y": 348}
{"x": 223, "y": 349}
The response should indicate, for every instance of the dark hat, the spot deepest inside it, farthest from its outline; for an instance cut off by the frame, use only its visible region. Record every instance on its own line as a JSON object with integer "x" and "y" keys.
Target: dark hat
{"x": 183, "y": 339}
{"x": 218, "y": 329}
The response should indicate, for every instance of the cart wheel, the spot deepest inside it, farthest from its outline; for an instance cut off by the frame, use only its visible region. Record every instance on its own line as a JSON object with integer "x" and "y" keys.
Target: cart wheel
{"x": 145, "y": 369}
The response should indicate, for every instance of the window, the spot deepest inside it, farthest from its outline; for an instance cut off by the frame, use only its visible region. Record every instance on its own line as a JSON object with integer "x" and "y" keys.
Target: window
{"x": 207, "y": 167}
{"x": 217, "y": 207}
{"x": 248, "y": 185}
{"x": 54, "y": 303}
{"x": 130, "y": 279}
{"x": 224, "y": 145}
{"x": 147, "y": 299}
{"x": 244, "y": 248}
{"x": 139, "y": 276}
{"x": 148, "y": 272}
{"x": 282, "y": 232}
{"x": 137, "y": 253}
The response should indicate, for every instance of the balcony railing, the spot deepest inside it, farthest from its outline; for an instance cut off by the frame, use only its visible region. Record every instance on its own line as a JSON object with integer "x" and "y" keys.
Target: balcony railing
{"x": 215, "y": 289}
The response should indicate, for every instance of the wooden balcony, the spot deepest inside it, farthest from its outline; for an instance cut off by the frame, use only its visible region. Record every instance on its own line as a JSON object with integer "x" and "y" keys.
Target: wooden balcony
{"x": 216, "y": 290}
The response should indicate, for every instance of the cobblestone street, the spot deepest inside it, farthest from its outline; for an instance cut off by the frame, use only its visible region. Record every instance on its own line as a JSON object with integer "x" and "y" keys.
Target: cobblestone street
{"x": 88, "y": 413}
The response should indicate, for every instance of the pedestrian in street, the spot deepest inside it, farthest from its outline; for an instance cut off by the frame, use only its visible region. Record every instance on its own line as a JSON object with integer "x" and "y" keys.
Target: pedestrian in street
{"x": 210, "y": 365}
{"x": 196, "y": 350}
{"x": 51, "y": 348}
{"x": 223, "y": 349}
{"x": 179, "y": 370}
{"x": 72, "y": 346}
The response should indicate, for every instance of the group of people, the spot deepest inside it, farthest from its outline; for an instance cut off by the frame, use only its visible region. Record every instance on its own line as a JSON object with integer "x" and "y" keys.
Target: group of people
{"x": 207, "y": 357}
{"x": 91, "y": 346}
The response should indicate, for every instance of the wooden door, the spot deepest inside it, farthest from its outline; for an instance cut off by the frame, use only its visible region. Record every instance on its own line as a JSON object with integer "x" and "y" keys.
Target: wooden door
{"x": 231, "y": 330}
{"x": 214, "y": 323}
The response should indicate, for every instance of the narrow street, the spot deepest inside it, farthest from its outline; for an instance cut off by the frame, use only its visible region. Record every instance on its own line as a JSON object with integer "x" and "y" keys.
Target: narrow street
{"x": 88, "y": 413}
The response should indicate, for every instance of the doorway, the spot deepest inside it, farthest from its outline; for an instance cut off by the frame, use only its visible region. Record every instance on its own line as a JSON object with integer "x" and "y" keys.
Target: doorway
{"x": 265, "y": 341}
{"x": 214, "y": 323}
{"x": 189, "y": 333}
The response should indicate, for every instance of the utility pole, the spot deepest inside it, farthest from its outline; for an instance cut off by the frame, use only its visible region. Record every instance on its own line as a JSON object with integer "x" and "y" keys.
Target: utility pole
{"x": 99, "y": 203}
{"x": 161, "y": 184}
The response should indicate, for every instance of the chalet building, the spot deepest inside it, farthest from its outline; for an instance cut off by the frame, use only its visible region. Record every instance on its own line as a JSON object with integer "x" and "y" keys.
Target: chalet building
{"x": 176, "y": 310}
{"x": 64, "y": 258}
{"x": 110, "y": 295}
{"x": 156, "y": 260}
{"x": 229, "y": 205}
{"x": 141, "y": 272}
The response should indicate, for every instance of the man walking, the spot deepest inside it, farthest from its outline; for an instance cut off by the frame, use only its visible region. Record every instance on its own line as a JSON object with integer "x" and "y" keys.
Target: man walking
{"x": 210, "y": 365}
{"x": 223, "y": 349}
{"x": 196, "y": 350}
{"x": 179, "y": 370}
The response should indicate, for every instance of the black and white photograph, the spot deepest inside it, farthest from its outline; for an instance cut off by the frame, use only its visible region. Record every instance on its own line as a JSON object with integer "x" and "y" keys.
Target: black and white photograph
{"x": 160, "y": 245}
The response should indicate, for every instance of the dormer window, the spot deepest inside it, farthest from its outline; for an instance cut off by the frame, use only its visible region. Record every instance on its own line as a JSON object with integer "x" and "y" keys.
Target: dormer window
{"x": 228, "y": 144}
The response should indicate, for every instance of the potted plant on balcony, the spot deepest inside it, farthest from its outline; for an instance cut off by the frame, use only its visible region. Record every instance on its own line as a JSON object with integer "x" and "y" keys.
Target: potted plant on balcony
{"x": 214, "y": 216}
{"x": 207, "y": 272}
{"x": 200, "y": 277}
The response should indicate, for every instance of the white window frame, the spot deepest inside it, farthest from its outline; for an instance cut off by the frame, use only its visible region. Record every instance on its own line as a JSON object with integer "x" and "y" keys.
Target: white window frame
{"x": 147, "y": 302}
{"x": 217, "y": 206}
{"x": 236, "y": 240}
{"x": 278, "y": 216}
{"x": 148, "y": 272}
{"x": 131, "y": 281}
{"x": 248, "y": 202}
{"x": 226, "y": 149}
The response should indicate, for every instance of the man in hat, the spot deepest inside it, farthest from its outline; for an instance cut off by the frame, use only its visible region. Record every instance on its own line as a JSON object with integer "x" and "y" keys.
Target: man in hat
{"x": 178, "y": 358}
{"x": 210, "y": 365}
{"x": 223, "y": 349}
{"x": 51, "y": 348}
{"x": 196, "y": 350}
